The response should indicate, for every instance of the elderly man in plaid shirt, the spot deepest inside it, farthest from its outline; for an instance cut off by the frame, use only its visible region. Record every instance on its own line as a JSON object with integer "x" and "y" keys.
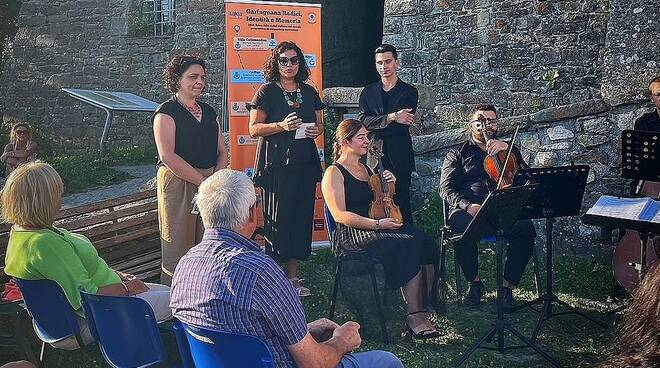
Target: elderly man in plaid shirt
{"x": 226, "y": 282}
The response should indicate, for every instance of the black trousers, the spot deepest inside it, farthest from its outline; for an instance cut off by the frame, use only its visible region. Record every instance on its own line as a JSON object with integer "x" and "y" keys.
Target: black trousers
{"x": 520, "y": 241}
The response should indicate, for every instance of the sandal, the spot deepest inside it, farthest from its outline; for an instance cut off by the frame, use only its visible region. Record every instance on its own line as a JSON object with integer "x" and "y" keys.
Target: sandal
{"x": 428, "y": 333}
{"x": 298, "y": 285}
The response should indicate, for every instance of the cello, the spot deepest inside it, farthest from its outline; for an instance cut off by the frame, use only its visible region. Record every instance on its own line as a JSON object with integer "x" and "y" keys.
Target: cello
{"x": 382, "y": 206}
{"x": 627, "y": 252}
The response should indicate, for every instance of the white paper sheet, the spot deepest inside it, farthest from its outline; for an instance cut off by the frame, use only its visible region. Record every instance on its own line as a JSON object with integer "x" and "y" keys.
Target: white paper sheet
{"x": 300, "y": 132}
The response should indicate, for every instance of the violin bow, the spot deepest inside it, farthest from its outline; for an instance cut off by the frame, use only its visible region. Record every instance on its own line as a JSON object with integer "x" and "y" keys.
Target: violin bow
{"x": 508, "y": 154}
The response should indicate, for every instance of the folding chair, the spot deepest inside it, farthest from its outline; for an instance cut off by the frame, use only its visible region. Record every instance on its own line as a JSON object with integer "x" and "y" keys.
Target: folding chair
{"x": 445, "y": 242}
{"x": 340, "y": 258}
{"x": 126, "y": 330}
{"x": 52, "y": 316}
{"x": 220, "y": 349}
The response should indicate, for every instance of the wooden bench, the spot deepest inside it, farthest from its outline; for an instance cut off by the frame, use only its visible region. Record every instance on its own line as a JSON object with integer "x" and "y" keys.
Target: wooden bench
{"x": 124, "y": 230}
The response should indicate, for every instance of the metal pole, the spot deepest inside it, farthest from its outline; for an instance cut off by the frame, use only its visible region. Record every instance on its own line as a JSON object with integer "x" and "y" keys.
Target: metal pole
{"x": 106, "y": 129}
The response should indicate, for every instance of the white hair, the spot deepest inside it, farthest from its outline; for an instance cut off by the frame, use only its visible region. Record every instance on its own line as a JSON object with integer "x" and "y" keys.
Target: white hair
{"x": 224, "y": 199}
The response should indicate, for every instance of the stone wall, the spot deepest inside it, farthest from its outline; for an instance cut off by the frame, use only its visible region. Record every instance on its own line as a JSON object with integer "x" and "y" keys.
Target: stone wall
{"x": 79, "y": 44}
{"x": 85, "y": 44}
{"x": 572, "y": 74}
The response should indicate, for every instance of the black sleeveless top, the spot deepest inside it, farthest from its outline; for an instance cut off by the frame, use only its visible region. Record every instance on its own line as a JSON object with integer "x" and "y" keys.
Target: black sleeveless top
{"x": 357, "y": 193}
{"x": 195, "y": 142}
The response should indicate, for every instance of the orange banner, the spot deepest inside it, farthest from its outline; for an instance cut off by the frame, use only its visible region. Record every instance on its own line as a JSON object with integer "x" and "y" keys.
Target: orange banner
{"x": 253, "y": 30}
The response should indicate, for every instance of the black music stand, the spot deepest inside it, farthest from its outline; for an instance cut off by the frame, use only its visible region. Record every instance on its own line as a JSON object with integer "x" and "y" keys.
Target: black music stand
{"x": 559, "y": 193}
{"x": 497, "y": 215}
{"x": 640, "y": 160}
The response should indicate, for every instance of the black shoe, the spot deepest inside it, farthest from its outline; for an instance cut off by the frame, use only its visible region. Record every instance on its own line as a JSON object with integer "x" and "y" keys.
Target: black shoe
{"x": 475, "y": 292}
{"x": 507, "y": 298}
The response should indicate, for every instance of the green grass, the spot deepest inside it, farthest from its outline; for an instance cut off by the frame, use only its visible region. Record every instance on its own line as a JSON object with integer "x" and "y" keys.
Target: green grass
{"x": 82, "y": 171}
{"x": 574, "y": 341}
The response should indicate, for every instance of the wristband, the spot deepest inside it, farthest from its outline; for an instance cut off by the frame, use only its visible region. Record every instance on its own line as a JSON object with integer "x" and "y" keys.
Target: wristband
{"x": 123, "y": 284}
{"x": 377, "y": 224}
{"x": 396, "y": 115}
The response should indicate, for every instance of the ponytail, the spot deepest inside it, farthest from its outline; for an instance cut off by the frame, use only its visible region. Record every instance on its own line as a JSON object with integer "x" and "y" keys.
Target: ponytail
{"x": 336, "y": 151}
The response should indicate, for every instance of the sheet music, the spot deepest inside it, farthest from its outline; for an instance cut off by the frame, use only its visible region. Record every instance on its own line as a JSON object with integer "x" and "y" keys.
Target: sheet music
{"x": 624, "y": 208}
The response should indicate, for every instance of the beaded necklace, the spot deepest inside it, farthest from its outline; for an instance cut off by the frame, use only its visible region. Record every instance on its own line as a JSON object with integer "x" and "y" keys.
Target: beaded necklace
{"x": 195, "y": 109}
{"x": 288, "y": 98}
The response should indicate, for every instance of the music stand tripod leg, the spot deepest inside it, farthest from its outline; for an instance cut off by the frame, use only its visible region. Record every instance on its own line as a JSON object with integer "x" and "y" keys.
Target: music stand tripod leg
{"x": 500, "y": 324}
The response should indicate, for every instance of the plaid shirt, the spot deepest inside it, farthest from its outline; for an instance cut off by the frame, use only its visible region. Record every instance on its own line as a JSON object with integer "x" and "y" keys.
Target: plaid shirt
{"x": 227, "y": 283}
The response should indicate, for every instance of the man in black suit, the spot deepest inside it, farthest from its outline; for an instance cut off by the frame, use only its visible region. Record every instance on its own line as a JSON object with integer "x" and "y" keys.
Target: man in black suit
{"x": 387, "y": 108}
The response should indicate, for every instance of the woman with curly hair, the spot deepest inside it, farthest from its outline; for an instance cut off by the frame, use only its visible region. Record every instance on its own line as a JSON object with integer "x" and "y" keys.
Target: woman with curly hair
{"x": 190, "y": 148}
{"x": 639, "y": 337}
{"x": 287, "y": 163}
{"x": 20, "y": 149}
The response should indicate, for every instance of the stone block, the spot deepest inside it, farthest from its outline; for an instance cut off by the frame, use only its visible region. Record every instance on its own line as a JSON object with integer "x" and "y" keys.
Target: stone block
{"x": 557, "y": 146}
{"x": 433, "y": 142}
{"x": 559, "y": 132}
{"x": 483, "y": 18}
{"x": 590, "y": 107}
{"x": 545, "y": 159}
{"x": 592, "y": 140}
{"x": 600, "y": 125}
{"x": 530, "y": 140}
{"x": 399, "y": 7}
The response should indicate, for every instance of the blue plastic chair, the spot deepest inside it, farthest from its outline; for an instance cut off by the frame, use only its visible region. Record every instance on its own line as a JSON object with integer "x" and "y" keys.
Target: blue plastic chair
{"x": 126, "y": 330}
{"x": 342, "y": 256}
{"x": 52, "y": 316}
{"x": 218, "y": 349}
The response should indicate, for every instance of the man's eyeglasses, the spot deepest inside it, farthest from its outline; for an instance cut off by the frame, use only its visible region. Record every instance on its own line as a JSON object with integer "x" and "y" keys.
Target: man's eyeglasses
{"x": 284, "y": 61}
{"x": 21, "y": 132}
{"x": 480, "y": 123}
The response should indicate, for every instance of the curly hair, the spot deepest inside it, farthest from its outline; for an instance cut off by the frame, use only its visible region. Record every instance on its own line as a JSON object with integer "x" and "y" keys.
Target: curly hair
{"x": 272, "y": 68}
{"x": 175, "y": 69}
{"x": 639, "y": 337}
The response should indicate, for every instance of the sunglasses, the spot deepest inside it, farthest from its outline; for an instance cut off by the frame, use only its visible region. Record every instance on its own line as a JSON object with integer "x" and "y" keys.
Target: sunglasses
{"x": 284, "y": 61}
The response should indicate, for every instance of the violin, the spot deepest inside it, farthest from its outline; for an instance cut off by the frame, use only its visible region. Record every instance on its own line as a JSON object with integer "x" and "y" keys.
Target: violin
{"x": 382, "y": 206}
{"x": 627, "y": 251}
{"x": 502, "y": 166}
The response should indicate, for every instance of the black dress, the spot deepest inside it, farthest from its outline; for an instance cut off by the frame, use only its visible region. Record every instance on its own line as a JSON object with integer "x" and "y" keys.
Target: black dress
{"x": 401, "y": 252}
{"x": 287, "y": 169}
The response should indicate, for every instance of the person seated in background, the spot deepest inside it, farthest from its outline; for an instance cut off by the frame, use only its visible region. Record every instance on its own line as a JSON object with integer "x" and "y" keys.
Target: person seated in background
{"x": 38, "y": 250}
{"x": 639, "y": 336}
{"x": 20, "y": 149}
{"x": 228, "y": 283}
{"x": 407, "y": 254}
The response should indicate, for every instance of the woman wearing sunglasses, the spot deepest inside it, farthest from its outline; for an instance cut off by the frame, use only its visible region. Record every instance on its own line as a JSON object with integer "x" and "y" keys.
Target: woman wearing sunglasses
{"x": 285, "y": 114}
{"x": 20, "y": 149}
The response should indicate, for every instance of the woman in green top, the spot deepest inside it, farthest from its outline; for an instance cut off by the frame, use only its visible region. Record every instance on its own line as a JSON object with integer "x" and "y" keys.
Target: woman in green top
{"x": 37, "y": 250}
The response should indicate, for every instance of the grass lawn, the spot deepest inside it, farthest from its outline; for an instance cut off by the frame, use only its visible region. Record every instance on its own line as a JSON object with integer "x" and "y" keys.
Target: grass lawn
{"x": 572, "y": 340}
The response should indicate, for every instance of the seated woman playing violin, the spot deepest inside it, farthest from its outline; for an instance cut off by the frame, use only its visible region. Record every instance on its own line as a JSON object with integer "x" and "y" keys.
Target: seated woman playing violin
{"x": 408, "y": 255}
{"x": 464, "y": 184}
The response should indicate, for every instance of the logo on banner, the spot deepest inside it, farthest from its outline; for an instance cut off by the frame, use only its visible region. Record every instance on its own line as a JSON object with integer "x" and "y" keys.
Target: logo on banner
{"x": 235, "y": 14}
{"x": 249, "y": 171}
{"x": 239, "y": 108}
{"x": 321, "y": 154}
{"x": 311, "y": 60}
{"x": 318, "y": 224}
{"x": 255, "y": 76}
{"x": 311, "y": 18}
{"x": 246, "y": 140}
